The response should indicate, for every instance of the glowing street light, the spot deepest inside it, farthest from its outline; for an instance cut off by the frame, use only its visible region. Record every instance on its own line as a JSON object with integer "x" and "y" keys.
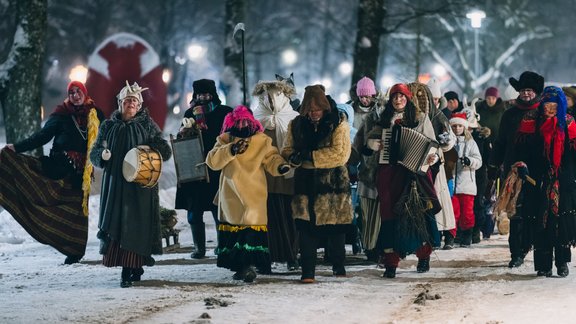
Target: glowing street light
{"x": 476, "y": 17}
{"x": 195, "y": 51}
{"x": 439, "y": 71}
{"x": 78, "y": 73}
{"x": 289, "y": 57}
{"x": 387, "y": 81}
{"x": 166, "y": 75}
{"x": 345, "y": 68}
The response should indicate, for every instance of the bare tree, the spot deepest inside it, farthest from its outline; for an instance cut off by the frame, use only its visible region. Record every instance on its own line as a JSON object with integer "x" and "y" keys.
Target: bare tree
{"x": 21, "y": 71}
{"x": 233, "y": 70}
{"x": 367, "y": 45}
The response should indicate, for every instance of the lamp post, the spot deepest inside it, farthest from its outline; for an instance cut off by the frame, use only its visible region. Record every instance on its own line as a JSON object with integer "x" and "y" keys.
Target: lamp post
{"x": 476, "y": 17}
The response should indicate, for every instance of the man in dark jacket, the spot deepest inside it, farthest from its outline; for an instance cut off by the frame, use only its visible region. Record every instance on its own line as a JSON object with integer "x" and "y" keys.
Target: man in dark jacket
{"x": 196, "y": 197}
{"x": 529, "y": 86}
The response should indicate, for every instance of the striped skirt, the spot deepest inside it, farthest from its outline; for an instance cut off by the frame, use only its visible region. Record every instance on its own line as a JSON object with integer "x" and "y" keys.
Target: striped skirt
{"x": 241, "y": 246}
{"x": 49, "y": 210}
{"x": 118, "y": 257}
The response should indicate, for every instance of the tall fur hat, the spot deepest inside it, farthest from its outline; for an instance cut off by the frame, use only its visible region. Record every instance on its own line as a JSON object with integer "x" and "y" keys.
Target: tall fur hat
{"x": 314, "y": 99}
{"x": 272, "y": 86}
{"x": 528, "y": 80}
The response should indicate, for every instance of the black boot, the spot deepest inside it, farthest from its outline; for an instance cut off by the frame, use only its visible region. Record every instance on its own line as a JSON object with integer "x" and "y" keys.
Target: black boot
{"x": 199, "y": 238}
{"x": 423, "y": 265}
{"x": 562, "y": 269}
{"x": 465, "y": 238}
{"x": 250, "y": 274}
{"x": 125, "y": 278}
{"x": 448, "y": 241}
{"x": 515, "y": 262}
{"x": 136, "y": 274}
{"x": 390, "y": 272}
{"x": 71, "y": 259}
{"x": 476, "y": 235}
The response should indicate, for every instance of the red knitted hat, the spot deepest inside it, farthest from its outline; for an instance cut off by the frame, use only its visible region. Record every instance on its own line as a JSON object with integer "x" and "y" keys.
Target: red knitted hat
{"x": 80, "y": 86}
{"x": 401, "y": 88}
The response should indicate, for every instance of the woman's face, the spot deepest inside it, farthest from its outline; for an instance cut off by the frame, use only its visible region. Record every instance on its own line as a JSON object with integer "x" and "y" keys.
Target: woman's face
{"x": 315, "y": 115}
{"x": 366, "y": 100}
{"x": 76, "y": 96}
{"x": 569, "y": 101}
{"x": 130, "y": 107}
{"x": 399, "y": 101}
{"x": 458, "y": 129}
{"x": 550, "y": 109}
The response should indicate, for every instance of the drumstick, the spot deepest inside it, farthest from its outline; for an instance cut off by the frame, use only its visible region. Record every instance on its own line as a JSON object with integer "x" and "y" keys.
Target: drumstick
{"x": 199, "y": 164}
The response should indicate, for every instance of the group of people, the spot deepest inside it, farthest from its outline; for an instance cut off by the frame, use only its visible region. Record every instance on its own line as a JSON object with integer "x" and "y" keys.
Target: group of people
{"x": 423, "y": 166}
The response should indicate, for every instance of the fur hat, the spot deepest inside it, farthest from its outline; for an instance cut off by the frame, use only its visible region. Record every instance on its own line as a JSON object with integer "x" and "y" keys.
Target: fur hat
{"x": 204, "y": 86}
{"x": 451, "y": 95}
{"x": 365, "y": 87}
{"x": 492, "y": 92}
{"x": 80, "y": 86}
{"x": 434, "y": 86}
{"x": 459, "y": 119}
{"x": 314, "y": 99}
{"x": 528, "y": 80}
{"x": 401, "y": 88}
{"x": 570, "y": 92}
{"x": 273, "y": 86}
{"x": 133, "y": 90}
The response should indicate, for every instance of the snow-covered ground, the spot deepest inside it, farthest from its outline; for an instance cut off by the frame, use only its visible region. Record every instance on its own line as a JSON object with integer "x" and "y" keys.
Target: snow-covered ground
{"x": 463, "y": 286}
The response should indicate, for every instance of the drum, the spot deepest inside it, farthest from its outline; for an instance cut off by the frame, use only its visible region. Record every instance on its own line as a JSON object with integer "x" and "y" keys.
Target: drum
{"x": 143, "y": 166}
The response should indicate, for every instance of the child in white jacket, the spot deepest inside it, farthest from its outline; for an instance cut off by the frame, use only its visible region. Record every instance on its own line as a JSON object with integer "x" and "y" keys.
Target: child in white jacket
{"x": 469, "y": 160}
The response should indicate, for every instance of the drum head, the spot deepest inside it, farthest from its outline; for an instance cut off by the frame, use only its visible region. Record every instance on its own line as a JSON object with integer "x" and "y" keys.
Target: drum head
{"x": 131, "y": 164}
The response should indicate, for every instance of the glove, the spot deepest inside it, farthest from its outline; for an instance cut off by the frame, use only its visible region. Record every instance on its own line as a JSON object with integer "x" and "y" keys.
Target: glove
{"x": 493, "y": 172}
{"x": 295, "y": 160}
{"x": 283, "y": 168}
{"x": 239, "y": 147}
{"x": 188, "y": 122}
{"x": 374, "y": 144}
{"x": 465, "y": 161}
{"x": 106, "y": 155}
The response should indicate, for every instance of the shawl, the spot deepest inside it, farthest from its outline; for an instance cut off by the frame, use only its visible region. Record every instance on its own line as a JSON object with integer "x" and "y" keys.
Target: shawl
{"x": 275, "y": 113}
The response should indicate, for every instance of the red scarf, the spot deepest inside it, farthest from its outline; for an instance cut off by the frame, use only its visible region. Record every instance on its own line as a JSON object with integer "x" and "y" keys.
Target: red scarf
{"x": 553, "y": 140}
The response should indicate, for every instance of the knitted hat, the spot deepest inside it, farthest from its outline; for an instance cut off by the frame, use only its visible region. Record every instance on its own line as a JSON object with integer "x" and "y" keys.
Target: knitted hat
{"x": 365, "y": 87}
{"x": 528, "y": 80}
{"x": 314, "y": 99}
{"x": 570, "y": 92}
{"x": 401, "y": 88}
{"x": 459, "y": 119}
{"x": 80, "y": 86}
{"x": 492, "y": 92}
{"x": 434, "y": 86}
{"x": 451, "y": 95}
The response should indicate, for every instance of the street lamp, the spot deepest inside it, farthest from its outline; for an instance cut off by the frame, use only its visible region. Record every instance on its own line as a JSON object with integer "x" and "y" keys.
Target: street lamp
{"x": 476, "y": 17}
{"x": 78, "y": 73}
{"x": 289, "y": 57}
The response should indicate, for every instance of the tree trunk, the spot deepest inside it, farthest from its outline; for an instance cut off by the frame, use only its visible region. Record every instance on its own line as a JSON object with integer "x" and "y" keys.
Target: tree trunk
{"x": 20, "y": 88}
{"x": 367, "y": 46}
{"x": 233, "y": 76}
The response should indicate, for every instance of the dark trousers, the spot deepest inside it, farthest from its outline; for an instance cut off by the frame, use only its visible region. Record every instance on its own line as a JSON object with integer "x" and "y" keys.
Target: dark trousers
{"x": 545, "y": 250}
{"x": 196, "y": 217}
{"x": 517, "y": 239}
{"x": 309, "y": 242}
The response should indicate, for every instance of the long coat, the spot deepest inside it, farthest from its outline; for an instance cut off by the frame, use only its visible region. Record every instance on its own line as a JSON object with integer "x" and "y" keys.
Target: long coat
{"x": 199, "y": 195}
{"x": 129, "y": 213}
{"x": 322, "y": 186}
{"x": 243, "y": 189}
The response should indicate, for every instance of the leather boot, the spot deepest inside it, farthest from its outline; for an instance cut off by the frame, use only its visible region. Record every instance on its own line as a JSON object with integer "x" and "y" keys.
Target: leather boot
{"x": 199, "y": 238}
{"x": 136, "y": 274}
{"x": 423, "y": 265}
{"x": 125, "y": 278}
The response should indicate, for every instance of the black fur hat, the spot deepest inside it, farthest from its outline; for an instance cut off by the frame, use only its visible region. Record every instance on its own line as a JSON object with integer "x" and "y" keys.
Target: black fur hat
{"x": 528, "y": 80}
{"x": 204, "y": 86}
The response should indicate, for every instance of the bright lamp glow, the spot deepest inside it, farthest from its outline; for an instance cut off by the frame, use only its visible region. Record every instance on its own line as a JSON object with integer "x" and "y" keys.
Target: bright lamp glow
{"x": 476, "y": 17}
{"x": 78, "y": 73}
{"x": 289, "y": 57}
{"x": 327, "y": 82}
{"x": 166, "y": 75}
{"x": 195, "y": 51}
{"x": 345, "y": 68}
{"x": 176, "y": 110}
{"x": 387, "y": 81}
{"x": 438, "y": 70}
{"x": 343, "y": 97}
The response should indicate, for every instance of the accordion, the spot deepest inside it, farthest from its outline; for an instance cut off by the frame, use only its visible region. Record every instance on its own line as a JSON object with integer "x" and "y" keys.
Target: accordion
{"x": 407, "y": 147}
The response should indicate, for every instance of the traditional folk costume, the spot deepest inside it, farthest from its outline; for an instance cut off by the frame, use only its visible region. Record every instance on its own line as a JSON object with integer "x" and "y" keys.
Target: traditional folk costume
{"x": 49, "y": 196}
{"x": 274, "y": 112}
{"x": 243, "y": 154}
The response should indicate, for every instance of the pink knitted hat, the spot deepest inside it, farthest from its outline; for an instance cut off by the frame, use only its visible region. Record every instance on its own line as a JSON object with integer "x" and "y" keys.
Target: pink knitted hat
{"x": 365, "y": 87}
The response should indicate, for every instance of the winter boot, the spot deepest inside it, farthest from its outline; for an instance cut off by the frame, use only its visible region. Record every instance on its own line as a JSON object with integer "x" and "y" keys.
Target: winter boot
{"x": 125, "y": 278}
{"x": 390, "y": 272}
{"x": 71, "y": 259}
{"x": 476, "y": 235}
{"x": 448, "y": 241}
{"x": 250, "y": 274}
{"x": 423, "y": 265}
{"x": 136, "y": 274}
{"x": 465, "y": 238}
{"x": 516, "y": 262}
{"x": 562, "y": 269}
{"x": 199, "y": 238}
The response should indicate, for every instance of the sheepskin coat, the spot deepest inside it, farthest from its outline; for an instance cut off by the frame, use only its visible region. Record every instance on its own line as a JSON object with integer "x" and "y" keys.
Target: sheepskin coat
{"x": 243, "y": 190}
{"x": 322, "y": 185}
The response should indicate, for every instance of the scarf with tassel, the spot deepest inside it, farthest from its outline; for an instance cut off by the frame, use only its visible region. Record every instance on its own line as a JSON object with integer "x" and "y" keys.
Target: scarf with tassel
{"x": 93, "y": 123}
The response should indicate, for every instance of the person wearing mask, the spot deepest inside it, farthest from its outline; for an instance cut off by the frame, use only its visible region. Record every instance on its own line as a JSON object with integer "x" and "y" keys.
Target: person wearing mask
{"x": 529, "y": 86}
{"x": 206, "y": 113}
{"x": 59, "y": 219}
{"x": 129, "y": 224}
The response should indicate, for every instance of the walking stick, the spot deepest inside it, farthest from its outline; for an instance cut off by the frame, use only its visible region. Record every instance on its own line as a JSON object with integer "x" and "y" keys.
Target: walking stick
{"x": 240, "y": 26}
